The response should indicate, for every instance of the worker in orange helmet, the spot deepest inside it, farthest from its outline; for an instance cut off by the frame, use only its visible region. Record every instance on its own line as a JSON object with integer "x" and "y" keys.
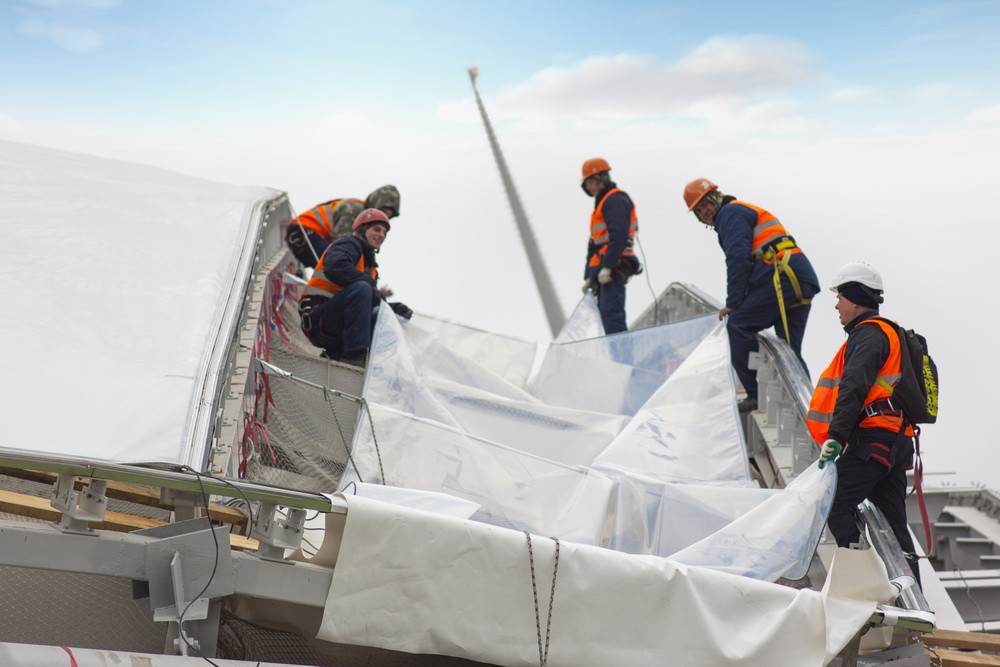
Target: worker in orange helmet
{"x": 310, "y": 233}
{"x": 341, "y": 300}
{"x": 769, "y": 281}
{"x": 610, "y": 258}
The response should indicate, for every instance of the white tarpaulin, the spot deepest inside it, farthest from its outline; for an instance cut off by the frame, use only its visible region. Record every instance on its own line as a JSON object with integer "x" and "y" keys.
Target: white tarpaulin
{"x": 424, "y": 583}
{"x": 114, "y": 277}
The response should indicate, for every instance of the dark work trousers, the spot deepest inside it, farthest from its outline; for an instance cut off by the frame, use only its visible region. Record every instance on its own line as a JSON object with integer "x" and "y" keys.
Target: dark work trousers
{"x": 858, "y": 479}
{"x": 345, "y": 322}
{"x": 296, "y": 239}
{"x": 760, "y": 311}
{"x": 611, "y": 303}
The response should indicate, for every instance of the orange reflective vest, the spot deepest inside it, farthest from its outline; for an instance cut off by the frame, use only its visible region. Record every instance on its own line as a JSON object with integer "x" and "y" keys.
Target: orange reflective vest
{"x": 320, "y": 285}
{"x": 770, "y": 238}
{"x": 319, "y": 218}
{"x": 599, "y": 230}
{"x": 824, "y": 398}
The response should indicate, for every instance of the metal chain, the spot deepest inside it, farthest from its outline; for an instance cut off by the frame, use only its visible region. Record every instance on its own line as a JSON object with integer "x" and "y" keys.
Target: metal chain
{"x": 543, "y": 656}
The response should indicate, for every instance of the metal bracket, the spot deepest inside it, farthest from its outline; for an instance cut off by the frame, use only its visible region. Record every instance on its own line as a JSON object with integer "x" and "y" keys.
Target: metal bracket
{"x": 79, "y": 507}
{"x": 275, "y": 533}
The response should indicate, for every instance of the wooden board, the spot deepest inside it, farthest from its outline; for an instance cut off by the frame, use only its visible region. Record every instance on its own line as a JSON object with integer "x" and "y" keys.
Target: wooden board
{"x": 133, "y": 493}
{"x": 40, "y": 508}
{"x": 980, "y": 641}
{"x": 949, "y": 658}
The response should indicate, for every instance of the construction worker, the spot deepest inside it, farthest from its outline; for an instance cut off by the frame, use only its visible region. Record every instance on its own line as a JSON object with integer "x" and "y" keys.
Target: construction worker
{"x": 770, "y": 282}
{"x": 853, "y": 416}
{"x": 310, "y": 233}
{"x": 341, "y": 300}
{"x": 610, "y": 259}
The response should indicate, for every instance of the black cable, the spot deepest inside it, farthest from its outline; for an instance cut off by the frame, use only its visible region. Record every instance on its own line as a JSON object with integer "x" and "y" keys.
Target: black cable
{"x": 211, "y": 577}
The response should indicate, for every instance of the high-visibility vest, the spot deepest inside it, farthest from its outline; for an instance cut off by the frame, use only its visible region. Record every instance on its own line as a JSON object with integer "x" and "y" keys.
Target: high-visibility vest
{"x": 599, "y": 230}
{"x": 319, "y": 218}
{"x": 824, "y": 397}
{"x": 320, "y": 285}
{"x": 770, "y": 238}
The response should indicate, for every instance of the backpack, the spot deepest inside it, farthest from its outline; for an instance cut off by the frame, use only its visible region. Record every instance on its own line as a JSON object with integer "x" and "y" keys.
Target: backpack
{"x": 917, "y": 391}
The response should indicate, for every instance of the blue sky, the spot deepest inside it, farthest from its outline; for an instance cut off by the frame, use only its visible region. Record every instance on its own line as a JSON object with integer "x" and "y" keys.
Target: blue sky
{"x": 871, "y": 129}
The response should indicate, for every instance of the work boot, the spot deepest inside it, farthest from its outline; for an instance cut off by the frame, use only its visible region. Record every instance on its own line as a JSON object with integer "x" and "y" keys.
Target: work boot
{"x": 748, "y": 404}
{"x": 359, "y": 359}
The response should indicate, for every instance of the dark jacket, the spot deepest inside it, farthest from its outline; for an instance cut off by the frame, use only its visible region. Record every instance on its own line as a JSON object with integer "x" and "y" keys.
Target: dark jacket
{"x": 341, "y": 260}
{"x": 734, "y": 224}
{"x": 867, "y": 350}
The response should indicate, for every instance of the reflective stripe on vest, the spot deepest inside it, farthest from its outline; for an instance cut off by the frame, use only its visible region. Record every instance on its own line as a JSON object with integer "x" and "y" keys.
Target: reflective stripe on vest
{"x": 766, "y": 230}
{"x": 824, "y": 398}
{"x": 319, "y": 219}
{"x": 599, "y": 230}
{"x": 321, "y": 285}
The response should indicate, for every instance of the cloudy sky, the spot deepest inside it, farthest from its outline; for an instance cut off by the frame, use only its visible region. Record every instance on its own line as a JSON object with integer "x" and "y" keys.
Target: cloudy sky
{"x": 871, "y": 130}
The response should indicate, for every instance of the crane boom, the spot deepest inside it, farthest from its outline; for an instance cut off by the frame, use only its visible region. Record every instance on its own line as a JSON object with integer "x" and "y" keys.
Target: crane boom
{"x": 553, "y": 309}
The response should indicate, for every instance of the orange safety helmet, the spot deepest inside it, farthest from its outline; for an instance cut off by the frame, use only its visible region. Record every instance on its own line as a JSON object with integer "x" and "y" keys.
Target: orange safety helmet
{"x": 594, "y": 165}
{"x": 370, "y": 216}
{"x": 696, "y": 189}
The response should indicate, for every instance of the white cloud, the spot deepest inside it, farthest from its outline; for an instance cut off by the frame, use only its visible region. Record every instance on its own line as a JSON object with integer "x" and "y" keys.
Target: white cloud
{"x": 850, "y": 95}
{"x": 986, "y": 115}
{"x": 8, "y": 125}
{"x": 71, "y": 38}
{"x": 730, "y": 77}
{"x": 936, "y": 92}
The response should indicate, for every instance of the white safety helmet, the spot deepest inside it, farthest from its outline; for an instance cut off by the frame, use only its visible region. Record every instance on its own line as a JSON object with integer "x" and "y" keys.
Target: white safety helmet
{"x": 858, "y": 272}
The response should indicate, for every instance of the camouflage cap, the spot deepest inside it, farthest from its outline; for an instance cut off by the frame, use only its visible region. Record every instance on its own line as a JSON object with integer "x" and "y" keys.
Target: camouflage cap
{"x": 344, "y": 215}
{"x": 386, "y": 196}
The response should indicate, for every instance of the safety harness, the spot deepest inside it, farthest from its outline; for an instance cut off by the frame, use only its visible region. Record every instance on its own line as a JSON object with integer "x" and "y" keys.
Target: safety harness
{"x": 779, "y": 253}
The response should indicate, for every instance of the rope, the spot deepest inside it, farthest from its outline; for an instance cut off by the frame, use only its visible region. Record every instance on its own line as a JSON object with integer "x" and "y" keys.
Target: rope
{"x": 543, "y": 655}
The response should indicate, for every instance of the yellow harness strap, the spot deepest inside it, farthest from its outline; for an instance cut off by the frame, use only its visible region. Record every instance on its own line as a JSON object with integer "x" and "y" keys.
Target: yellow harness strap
{"x": 781, "y": 266}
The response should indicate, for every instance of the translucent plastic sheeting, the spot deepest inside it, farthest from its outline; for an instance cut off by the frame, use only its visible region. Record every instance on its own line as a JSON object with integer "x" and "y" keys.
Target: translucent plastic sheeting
{"x": 654, "y": 517}
{"x": 583, "y": 323}
{"x": 689, "y": 430}
{"x": 585, "y": 476}
{"x": 508, "y": 357}
{"x": 395, "y": 588}
{"x": 114, "y": 278}
{"x": 619, "y": 372}
{"x": 513, "y": 488}
{"x": 777, "y": 538}
{"x": 421, "y": 376}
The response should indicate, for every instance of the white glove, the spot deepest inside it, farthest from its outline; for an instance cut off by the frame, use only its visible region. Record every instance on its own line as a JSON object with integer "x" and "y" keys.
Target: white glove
{"x": 586, "y": 286}
{"x": 604, "y": 276}
{"x": 831, "y": 450}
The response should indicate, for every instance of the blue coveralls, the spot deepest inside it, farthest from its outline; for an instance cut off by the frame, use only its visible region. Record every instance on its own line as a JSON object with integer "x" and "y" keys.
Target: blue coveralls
{"x": 750, "y": 292}
{"x": 343, "y": 324}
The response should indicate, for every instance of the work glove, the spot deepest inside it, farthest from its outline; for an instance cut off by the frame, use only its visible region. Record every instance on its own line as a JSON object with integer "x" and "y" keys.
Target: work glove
{"x": 831, "y": 450}
{"x": 604, "y": 275}
{"x": 586, "y": 286}
{"x": 401, "y": 309}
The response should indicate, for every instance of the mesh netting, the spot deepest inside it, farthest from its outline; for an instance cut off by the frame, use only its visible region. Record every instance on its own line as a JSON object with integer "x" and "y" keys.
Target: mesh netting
{"x": 308, "y": 430}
